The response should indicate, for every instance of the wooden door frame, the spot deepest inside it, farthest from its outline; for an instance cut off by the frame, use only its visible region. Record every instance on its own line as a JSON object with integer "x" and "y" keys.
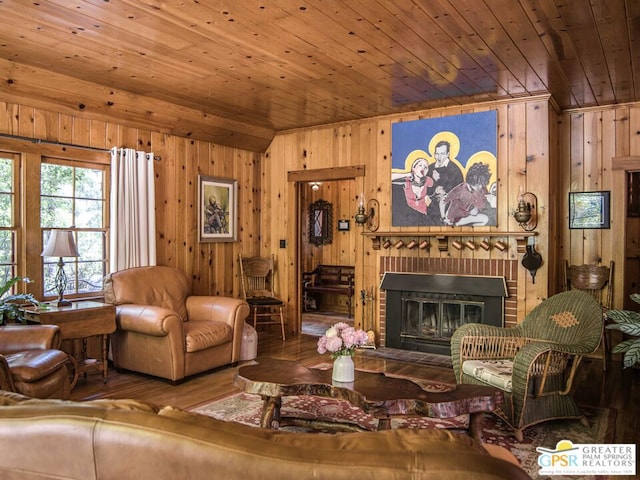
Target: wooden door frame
{"x": 298, "y": 178}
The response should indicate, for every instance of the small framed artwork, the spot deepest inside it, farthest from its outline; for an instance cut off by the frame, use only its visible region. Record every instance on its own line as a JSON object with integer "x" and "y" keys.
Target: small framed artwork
{"x": 589, "y": 209}
{"x": 343, "y": 225}
{"x": 217, "y": 209}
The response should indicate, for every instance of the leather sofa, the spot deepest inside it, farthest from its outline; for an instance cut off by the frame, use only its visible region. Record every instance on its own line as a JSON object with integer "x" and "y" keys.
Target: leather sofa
{"x": 164, "y": 331}
{"x": 31, "y": 361}
{"x": 119, "y": 439}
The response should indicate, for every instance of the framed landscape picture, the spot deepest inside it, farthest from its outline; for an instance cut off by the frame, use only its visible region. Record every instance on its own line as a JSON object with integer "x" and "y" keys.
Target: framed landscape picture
{"x": 589, "y": 209}
{"x": 217, "y": 209}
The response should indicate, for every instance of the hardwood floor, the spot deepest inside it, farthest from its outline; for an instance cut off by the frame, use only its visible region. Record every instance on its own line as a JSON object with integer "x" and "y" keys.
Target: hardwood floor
{"x": 617, "y": 388}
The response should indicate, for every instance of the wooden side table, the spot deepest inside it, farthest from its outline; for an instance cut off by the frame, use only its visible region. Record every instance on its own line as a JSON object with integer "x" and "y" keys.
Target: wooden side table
{"x": 80, "y": 321}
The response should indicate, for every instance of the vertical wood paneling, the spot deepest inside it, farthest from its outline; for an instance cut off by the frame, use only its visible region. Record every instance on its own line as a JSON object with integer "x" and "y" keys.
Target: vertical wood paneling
{"x": 190, "y": 217}
{"x": 576, "y": 247}
{"x": 81, "y": 134}
{"x": 592, "y": 172}
{"x": 594, "y": 137}
{"x": 25, "y": 121}
{"x": 98, "y": 134}
{"x": 537, "y": 182}
{"x": 522, "y": 130}
{"x": 586, "y": 142}
{"x": 557, "y": 197}
{"x": 517, "y": 178}
{"x": 212, "y": 267}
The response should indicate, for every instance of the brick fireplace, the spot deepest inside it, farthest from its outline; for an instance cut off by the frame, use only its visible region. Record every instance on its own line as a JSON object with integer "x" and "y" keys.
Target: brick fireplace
{"x": 435, "y": 267}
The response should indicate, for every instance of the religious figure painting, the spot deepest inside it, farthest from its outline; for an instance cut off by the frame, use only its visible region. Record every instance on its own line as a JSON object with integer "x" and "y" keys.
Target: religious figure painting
{"x": 444, "y": 171}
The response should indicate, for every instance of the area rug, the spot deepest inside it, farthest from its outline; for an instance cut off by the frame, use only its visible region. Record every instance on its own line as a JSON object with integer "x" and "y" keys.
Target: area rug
{"x": 246, "y": 408}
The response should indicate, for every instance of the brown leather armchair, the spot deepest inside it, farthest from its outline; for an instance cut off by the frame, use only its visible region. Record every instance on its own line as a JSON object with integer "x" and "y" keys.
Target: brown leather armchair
{"x": 164, "y": 331}
{"x": 31, "y": 362}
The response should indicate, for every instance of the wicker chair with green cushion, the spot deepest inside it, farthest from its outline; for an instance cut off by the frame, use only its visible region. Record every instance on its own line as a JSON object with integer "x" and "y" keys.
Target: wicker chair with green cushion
{"x": 535, "y": 362}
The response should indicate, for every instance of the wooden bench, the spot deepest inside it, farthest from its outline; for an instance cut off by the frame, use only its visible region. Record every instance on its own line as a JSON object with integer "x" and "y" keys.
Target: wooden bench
{"x": 333, "y": 279}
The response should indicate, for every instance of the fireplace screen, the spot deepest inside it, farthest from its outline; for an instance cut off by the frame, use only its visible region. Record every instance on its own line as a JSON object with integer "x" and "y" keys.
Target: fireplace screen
{"x": 436, "y": 317}
{"x": 423, "y": 310}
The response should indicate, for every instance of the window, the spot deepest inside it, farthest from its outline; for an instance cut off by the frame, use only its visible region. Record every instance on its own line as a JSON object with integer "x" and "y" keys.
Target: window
{"x": 73, "y": 196}
{"x": 8, "y": 172}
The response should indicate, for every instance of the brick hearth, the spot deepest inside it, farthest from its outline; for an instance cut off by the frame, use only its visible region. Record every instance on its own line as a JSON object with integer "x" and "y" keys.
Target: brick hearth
{"x": 454, "y": 266}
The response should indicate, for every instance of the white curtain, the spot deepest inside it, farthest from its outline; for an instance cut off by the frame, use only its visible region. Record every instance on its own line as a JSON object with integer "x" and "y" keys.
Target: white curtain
{"x": 133, "y": 220}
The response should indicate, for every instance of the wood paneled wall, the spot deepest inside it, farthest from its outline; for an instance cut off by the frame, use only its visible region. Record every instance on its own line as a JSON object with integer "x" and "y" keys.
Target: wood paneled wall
{"x": 524, "y": 159}
{"x": 589, "y": 140}
{"x": 212, "y": 267}
{"x": 547, "y": 153}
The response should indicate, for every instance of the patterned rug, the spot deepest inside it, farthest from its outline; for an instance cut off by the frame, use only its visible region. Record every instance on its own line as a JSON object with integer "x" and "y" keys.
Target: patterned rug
{"x": 246, "y": 408}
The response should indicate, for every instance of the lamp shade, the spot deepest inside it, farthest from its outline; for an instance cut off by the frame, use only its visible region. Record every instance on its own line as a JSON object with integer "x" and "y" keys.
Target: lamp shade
{"x": 60, "y": 244}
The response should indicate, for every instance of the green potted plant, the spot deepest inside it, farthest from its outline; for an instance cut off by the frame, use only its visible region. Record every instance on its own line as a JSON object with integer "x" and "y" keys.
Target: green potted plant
{"x": 627, "y": 321}
{"x": 10, "y": 304}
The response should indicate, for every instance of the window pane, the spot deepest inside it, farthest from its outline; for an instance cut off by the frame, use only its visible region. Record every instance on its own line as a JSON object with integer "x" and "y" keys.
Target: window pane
{"x": 6, "y": 273}
{"x": 7, "y": 220}
{"x": 6, "y": 192}
{"x": 90, "y": 275}
{"x": 5, "y": 210}
{"x": 6, "y": 175}
{"x": 6, "y": 247}
{"x": 88, "y": 213}
{"x": 56, "y": 212}
{"x": 91, "y": 245}
{"x": 75, "y": 200}
{"x": 56, "y": 180}
{"x": 88, "y": 183}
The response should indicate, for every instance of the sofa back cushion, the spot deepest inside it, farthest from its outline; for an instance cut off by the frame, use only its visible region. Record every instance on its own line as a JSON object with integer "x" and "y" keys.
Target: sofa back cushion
{"x": 161, "y": 286}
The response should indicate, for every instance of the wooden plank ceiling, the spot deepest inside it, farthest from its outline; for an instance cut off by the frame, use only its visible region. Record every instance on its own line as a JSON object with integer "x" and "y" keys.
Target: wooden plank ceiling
{"x": 236, "y": 72}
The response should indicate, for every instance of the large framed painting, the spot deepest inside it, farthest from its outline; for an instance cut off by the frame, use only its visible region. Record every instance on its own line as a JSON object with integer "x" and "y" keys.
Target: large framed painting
{"x": 444, "y": 171}
{"x": 589, "y": 209}
{"x": 217, "y": 209}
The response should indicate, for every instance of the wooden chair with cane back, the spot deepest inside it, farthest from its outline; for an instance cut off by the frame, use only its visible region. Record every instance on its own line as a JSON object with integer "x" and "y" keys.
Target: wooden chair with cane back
{"x": 597, "y": 281}
{"x": 258, "y": 291}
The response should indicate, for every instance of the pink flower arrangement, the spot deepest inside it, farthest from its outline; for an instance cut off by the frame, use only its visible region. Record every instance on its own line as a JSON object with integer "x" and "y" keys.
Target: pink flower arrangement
{"x": 341, "y": 339}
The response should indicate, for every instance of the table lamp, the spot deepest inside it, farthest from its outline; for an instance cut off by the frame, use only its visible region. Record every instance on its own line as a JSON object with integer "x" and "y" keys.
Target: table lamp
{"x": 60, "y": 244}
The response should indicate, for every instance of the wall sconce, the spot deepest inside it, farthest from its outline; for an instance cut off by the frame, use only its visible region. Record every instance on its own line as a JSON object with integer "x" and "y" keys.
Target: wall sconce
{"x": 315, "y": 186}
{"x": 526, "y": 215}
{"x": 367, "y": 216}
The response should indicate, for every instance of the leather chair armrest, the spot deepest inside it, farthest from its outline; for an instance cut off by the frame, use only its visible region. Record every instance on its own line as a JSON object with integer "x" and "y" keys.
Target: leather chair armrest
{"x": 6, "y": 378}
{"x": 17, "y": 338}
{"x": 232, "y": 311}
{"x": 148, "y": 320}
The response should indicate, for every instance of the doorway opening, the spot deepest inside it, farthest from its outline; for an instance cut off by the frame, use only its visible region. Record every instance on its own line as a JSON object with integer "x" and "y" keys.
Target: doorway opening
{"x": 632, "y": 247}
{"x": 338, "y": 187}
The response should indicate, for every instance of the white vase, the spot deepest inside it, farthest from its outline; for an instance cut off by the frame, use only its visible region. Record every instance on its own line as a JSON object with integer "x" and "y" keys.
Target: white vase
{"x": 343, "y": 369}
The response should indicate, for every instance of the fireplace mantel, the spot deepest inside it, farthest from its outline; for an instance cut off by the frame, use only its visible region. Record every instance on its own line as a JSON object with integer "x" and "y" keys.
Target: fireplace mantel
{"x": 442, "y": 238}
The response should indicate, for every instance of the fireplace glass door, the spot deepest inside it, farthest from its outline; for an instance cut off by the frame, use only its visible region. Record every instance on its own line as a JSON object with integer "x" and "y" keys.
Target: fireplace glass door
{"x": 435, "y": 317}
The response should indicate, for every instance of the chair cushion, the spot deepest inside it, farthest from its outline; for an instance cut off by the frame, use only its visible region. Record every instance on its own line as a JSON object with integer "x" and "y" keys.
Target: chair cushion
{"x": 259, "y": 301}
{"x": 32, "y": 365}
{"x": 200, "y": 335}
{"x": 497, "y": 373}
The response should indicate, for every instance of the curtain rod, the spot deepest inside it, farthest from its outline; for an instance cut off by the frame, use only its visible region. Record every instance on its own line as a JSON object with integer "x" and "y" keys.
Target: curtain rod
{"x": 62, "y": 144}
